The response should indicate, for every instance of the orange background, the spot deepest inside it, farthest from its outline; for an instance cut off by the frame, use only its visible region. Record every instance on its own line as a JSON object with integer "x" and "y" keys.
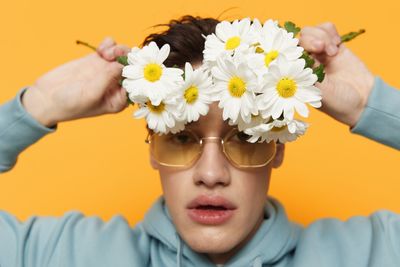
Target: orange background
{"x": 100, "y": 165}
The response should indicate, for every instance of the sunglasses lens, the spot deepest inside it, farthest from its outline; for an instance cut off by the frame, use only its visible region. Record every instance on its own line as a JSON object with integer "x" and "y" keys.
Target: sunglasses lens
{"x": 178, "y": 149}
{"x": 182, "y": 148}
{"x": 247, "y": 154}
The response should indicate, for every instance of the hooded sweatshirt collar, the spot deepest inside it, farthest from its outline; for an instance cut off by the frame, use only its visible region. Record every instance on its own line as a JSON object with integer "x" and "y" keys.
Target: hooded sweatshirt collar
{"x": 275, "y": 238}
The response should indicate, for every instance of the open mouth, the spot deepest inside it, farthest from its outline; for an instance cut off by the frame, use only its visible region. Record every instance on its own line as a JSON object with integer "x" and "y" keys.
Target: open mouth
{"x": 211, "y": 210}
{"x": 210, "y": 207}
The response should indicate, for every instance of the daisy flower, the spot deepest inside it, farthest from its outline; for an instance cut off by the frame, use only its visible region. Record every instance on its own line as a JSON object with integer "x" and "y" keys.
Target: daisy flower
{"x": 242, "y": 125}
{"x": 161, "y": 118}
{"x": 277, "y": 130}
{"x": 228, "y": 38}
{"x": 288, "y": 87}
{"x": 196, "y": 93}
{"x": 235, "y": 86}
{"x": 274, "y": 43}
{"x": 147, "y": 76}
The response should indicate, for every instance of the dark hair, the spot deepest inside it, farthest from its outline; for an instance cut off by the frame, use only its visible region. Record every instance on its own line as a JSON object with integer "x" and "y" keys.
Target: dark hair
{"x": 185, "y": 37}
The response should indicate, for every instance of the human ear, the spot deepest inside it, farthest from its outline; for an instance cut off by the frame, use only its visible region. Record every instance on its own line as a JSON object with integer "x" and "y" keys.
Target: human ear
{"x": 278, "y": 159}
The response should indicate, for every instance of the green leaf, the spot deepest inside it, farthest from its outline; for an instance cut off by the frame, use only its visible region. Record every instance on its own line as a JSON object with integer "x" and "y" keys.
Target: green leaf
{"x": 320, "y": 72}
{"x": 309, "y": 60}
{"x": 120, "y": 81}
{"x": 291, "y": 27}
{"x": 123, "y": 60}
{"x": 130, "y": 101}
{"x": 351, "y": 35}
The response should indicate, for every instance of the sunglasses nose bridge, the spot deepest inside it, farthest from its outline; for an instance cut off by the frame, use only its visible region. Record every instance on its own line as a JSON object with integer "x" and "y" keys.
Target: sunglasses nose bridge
{"x": 211, "y": 139}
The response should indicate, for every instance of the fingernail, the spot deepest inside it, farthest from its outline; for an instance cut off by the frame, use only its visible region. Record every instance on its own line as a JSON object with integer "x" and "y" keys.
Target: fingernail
{"x": 331, "y": 49}
{"x": 338, "y": 39}
{"x": 109, "y": 54}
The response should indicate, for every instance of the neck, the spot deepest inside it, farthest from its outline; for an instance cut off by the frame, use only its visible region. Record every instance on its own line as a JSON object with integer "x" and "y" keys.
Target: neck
{"x": 222, "y": 258}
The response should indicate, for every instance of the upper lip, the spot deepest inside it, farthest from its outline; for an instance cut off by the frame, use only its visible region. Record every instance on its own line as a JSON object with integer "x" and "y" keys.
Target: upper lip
{"x": 206, "y": 200}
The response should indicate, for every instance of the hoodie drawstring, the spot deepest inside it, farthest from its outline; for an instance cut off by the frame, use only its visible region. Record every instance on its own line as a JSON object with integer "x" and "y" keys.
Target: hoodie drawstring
{"x": 179, "y": 252}
{"x": 257, "y": 262}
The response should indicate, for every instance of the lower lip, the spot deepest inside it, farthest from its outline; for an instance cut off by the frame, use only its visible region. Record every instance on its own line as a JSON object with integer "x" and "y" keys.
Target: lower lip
{"x": 211, "y": 217}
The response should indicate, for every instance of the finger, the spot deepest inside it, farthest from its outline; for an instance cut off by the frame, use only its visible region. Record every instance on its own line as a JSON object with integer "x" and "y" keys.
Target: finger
{"x": 121, "y": 50}
{"x": 123, "y": 97}
{"x": 105, "y": 44}
{"x": 330, "y": 28}
{"x": 107, "y": 78}
{"x": 320, "y": 39}
{"x": 311, "y": 44}
{"x": 113, "y": 52}
{"x": 115, "y": 101}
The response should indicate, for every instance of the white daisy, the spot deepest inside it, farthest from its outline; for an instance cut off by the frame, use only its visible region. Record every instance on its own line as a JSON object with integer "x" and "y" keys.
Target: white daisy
{"x": 147, "y": 76}
{"x": 277, "y": 130}
{"x": 196, "y": 93}
{"x": 269, "y": 26}
{"x": 235, "y": 86}
{"x": 242, "y": 125}
{"x": 228, "y": 39}
{"x": 161, "y": 118}
{"x": 274, "y": 43}
{"x": 288, "y": 87}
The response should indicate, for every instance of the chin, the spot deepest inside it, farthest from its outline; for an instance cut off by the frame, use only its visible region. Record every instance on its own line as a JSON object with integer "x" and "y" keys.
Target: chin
{"x": 210, "y": 241}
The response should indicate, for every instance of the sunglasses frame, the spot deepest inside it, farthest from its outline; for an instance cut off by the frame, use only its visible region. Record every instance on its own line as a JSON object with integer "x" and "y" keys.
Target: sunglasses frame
{"x": 223, "y": 140}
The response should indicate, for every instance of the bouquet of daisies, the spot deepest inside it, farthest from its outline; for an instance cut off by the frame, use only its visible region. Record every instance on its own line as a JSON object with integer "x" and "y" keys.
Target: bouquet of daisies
{"x": 257, "y": 72}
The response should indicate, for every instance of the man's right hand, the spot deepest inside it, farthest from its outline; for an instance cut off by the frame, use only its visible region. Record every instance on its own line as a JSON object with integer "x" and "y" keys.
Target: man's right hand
{"x": 348, "y": 81}
{"x": 84, "y": 87}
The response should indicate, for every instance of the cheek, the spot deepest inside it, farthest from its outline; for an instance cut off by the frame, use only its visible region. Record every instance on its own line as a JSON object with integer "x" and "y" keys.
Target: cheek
{"x": 251, "y": 191}
{"x": 250, "y": 184}
{"x": 176, "y": 187}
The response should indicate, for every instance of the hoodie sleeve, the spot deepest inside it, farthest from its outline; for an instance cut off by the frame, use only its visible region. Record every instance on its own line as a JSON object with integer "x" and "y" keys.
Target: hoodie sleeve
{"x": 359, "y": 241}
{"x": 18, "y": 130}
{"x": 380, "y": 120}
{"x": 71, "y": 240}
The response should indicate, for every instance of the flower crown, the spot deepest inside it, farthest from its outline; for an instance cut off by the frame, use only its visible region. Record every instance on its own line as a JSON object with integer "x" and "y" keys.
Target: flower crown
{"x": 257, "y": 72}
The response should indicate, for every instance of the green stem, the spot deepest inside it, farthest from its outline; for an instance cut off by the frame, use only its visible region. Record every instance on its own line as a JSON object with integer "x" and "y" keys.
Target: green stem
{"x": 86, "y": 44}
{"x": 351, "y": 35}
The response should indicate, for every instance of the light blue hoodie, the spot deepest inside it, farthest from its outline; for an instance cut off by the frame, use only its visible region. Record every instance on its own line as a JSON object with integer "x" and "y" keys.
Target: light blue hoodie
{"x": 74, "y": 240}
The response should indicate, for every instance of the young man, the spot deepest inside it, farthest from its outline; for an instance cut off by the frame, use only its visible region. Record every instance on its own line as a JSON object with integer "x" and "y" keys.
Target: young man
{"x": 257, "y": 231}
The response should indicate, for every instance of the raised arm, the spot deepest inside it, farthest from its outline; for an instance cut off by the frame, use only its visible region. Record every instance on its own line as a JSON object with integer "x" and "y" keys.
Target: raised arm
{"x": 85, "y": 87}
{"x": 81, "y": 88}
{"x": 351, "y": 94}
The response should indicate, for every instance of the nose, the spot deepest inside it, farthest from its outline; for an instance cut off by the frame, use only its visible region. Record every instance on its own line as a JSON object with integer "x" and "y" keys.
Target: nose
{"x": 211, "y": 168}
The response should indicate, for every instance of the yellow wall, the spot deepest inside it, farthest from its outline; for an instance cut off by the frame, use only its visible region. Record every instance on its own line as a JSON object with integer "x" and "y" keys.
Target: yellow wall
{"x": 100, "y": 166}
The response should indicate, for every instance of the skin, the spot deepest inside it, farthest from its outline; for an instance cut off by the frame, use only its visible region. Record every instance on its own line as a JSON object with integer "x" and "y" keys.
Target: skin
{"x": 89, "y": 87}
{"x": 213, "y": 174}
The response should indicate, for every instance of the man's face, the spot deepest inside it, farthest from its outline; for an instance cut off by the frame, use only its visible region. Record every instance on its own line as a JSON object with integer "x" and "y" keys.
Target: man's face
{"x": 213, "y": 175}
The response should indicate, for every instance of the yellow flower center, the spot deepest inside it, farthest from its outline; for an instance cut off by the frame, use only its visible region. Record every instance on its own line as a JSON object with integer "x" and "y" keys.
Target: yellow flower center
{"x": 270, "y": 56}
{"x": 156, "y": 109}
{"x": 278, "y": 129}
{"x": 259, "y": 50}
{"x": 152, "y": 72}
{"x": 232, "y": 43}
{"x": 286, "y": 87}
{"x": 191, "y": 94}
{"x": 236, "y": 86}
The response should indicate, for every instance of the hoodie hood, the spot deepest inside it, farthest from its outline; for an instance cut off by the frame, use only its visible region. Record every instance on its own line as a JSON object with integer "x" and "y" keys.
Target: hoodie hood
{"x": 276, "y": 238}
